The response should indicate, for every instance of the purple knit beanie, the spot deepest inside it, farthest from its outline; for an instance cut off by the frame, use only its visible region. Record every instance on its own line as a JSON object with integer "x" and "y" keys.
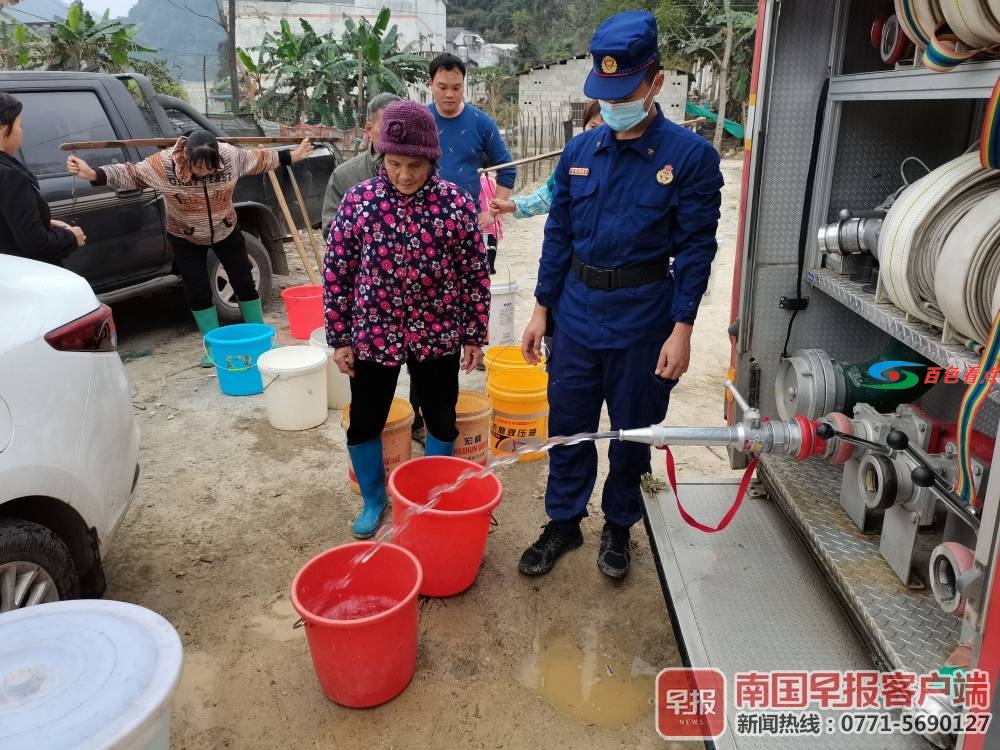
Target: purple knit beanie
{"x": 408, "y": 129}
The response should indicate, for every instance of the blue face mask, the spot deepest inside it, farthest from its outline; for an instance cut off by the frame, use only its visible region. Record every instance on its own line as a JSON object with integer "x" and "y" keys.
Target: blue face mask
{"x": 624, "y": 116}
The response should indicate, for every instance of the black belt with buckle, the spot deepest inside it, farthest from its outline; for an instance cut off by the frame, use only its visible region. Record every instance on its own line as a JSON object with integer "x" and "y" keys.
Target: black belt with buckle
{"x": 610, "y": 279}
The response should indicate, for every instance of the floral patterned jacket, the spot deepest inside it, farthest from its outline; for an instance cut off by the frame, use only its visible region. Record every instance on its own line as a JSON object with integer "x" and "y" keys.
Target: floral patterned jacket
{"x": 406, "y": 273}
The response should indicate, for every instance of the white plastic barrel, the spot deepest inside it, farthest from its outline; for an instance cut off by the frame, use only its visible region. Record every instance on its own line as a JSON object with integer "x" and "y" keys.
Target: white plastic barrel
{"x": 502, "y": 297}
{"x": 338, "y": 385}
{"x": 294, "y": 386}
{"x": 87, "y": 673}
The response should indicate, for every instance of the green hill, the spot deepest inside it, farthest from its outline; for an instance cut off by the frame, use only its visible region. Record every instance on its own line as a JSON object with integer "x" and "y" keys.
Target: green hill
{"x": 544, "y": 30}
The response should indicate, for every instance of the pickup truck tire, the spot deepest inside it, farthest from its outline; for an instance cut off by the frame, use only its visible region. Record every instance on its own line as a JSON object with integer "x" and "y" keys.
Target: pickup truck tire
{"x": 222, "y": 293}
{"x": 35, "y": 557}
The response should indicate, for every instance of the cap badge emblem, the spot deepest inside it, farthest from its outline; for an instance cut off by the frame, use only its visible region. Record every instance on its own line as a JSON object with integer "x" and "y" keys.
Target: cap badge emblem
{"x": 609, "y": 65}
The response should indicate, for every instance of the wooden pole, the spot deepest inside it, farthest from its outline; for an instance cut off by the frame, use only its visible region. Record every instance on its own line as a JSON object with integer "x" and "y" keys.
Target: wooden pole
{"x": 168, "y": 142}
{"x": 276, "y": 186}
{"x": 552, "y": 154}
{"x": 525, "y": 160}
{"x": 305, "y": 218}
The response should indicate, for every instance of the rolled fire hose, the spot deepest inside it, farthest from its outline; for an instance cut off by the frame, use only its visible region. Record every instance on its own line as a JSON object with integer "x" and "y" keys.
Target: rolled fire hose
{"x": 970, "y": 28}
{"x": 918, "y": 19}
{"x": 950, "y": 31}
{"x": 968, "y": 271}
{"x": 939, "y": 229}
{"x": 913, "y": 233}
{"x": 972, "y": 21}
{"x": 890, "y": 41}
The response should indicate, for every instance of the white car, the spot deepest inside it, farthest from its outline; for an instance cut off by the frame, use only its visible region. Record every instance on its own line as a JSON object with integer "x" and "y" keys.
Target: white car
{"x": 69, "y": 444}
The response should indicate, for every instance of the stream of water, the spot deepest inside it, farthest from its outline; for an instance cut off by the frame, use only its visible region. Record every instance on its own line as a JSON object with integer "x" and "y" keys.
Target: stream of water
{"x": 386, "y": 532}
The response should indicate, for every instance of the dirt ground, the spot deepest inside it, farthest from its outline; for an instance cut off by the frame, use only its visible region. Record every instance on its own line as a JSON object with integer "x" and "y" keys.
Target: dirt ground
{"x": 228, "y": 509}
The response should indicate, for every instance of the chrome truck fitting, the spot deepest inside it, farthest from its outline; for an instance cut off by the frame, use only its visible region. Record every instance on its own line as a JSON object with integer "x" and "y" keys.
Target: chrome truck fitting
{"x": 767, "y": 437}
{"x": 751, "y": 435}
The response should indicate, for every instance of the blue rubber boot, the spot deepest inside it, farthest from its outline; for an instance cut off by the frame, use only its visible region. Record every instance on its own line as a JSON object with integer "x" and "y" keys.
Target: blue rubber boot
{"x": 370, "y": 471}
{"x": 206, "y": 320}
{"x": 435, "y": 447}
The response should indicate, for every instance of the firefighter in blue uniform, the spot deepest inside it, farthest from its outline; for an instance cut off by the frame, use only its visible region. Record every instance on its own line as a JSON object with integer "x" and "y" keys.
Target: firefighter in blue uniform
{"x": 629, "y": 196}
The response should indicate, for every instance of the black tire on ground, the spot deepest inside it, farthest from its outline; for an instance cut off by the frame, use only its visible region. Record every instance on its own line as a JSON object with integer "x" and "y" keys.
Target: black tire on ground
{"x": 24, "y": 541}
{"x": 223, "y": 295}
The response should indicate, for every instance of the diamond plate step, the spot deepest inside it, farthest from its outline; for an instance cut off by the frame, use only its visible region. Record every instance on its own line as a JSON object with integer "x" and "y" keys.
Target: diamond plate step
{"x": 905, "y": 627}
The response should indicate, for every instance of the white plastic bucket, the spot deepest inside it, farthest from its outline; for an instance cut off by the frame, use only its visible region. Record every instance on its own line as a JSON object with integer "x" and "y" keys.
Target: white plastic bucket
{"x": 338, "y": 385}
{"x": 294, "y": 386}
{"x": 87, "y": 673}
{"x": 502, "y": 298}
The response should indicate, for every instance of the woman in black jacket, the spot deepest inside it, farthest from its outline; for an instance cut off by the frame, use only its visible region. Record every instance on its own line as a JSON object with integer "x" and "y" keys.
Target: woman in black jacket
{"x": 26, "y": 226}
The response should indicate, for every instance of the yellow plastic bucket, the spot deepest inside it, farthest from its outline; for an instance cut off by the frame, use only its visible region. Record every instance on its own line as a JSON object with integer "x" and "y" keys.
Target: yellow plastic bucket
{"x": 397, "y": 437}
{"x": 472, "y": 418}
{"x": 520, "y": 410}
{"x": 502, "y": 358}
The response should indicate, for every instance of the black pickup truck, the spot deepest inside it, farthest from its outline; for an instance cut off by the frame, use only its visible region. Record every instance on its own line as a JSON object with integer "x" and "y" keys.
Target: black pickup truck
{"x": 127, "y": 254}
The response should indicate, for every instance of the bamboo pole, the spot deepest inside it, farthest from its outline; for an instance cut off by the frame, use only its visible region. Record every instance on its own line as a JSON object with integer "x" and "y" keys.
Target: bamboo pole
{"x": 305, "y": 218}
{"x": 276, "y": 186}
{"x": 168, "y": 142}
{"x": 553, "y": 154}
{"x": 525, "y": 160}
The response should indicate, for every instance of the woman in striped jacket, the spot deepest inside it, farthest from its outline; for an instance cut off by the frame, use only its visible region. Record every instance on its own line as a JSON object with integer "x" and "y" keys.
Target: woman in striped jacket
{"x": 197, "y": 178}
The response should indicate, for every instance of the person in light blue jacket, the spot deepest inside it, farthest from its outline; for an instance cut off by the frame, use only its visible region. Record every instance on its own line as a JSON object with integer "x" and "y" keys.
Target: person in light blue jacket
{"x": 537, "y": 202}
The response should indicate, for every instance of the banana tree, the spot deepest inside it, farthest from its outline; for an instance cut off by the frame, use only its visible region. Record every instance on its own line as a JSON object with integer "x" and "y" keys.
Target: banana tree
{"x": 288, "y": 63}
{"x": 78, "y": 42}
{"x": 17, "y": 44}
{"x": 380, "y": 64}
{"x": 328, "y": 79}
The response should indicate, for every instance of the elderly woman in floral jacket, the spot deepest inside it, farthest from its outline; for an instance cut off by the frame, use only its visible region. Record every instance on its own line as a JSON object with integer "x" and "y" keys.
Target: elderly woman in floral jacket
{"x": 407, "y": 282}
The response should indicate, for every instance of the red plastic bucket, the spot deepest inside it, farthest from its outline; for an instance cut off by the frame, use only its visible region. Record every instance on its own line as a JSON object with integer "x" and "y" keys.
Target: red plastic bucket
{"x": 449, "y": 539}
{"x": 370, "y": 659}
{"x": 304, "y": 309}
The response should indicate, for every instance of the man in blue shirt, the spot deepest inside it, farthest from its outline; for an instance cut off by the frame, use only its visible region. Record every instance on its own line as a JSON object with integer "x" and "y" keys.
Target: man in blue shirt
{"x": 470, "y": 139}
{"x": 629, "y": 196}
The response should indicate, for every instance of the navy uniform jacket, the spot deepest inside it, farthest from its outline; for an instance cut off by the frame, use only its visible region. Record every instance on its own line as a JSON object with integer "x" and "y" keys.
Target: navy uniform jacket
{"x": 618, "y": 204}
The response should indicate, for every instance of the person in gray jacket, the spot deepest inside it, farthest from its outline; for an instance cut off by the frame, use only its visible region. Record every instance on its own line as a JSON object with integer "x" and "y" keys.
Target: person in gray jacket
{"x": 358, "y": 168}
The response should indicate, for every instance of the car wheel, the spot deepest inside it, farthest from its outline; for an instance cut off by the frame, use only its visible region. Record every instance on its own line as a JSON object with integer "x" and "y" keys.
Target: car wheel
{"x": 222, "y": 291}
{"x": 35, "y": 566}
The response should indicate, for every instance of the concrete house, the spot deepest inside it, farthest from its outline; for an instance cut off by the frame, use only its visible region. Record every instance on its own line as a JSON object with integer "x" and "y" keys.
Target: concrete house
{"x": 475, "y": 51}
{"x": 557, "y": 88}
{"x": 420, "y": 22}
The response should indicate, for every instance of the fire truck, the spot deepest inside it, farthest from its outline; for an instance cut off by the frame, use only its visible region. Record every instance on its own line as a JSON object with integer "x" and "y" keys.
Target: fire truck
{"x": 864, "y": 305}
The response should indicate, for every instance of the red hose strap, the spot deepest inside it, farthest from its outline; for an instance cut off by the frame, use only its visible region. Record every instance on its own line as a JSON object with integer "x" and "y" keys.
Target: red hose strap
{"x": 730, "y": 514}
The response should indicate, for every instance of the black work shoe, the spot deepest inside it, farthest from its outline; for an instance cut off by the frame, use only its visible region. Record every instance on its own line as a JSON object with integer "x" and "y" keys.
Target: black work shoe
{"x": 614, "y": 557}
{"x": 557, "y": 539}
